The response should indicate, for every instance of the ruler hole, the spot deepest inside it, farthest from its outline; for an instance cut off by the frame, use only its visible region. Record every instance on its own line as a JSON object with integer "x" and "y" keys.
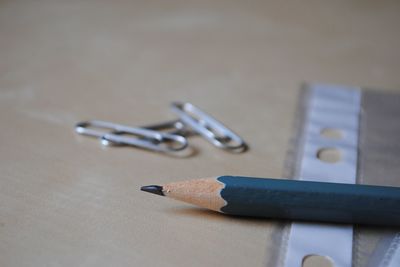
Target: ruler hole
{"x": 329, "y": 154}
{"x": 317, "y": 260}
{"x": 331, "y": 133}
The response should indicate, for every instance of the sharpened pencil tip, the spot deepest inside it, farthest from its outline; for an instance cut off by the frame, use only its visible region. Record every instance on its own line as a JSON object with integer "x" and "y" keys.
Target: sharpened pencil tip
{"x": 155, "y": 189}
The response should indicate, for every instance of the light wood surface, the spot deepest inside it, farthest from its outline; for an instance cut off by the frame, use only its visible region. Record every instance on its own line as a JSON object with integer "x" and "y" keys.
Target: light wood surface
{"x": 65, "y": 201}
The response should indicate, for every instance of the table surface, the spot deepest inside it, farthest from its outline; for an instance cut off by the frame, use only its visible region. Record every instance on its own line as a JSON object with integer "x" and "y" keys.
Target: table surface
{"x": 66, "y": 201}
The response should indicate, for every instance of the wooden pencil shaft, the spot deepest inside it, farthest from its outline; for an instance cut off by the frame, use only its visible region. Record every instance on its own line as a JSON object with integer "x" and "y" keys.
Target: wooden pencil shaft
{"x": 312, "y": 201}
{"x": 289, "y": 199}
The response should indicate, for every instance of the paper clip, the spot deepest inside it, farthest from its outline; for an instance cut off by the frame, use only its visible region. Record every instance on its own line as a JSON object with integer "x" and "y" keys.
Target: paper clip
{"x": 212, "y": 130}
{"x": 145, "y": 137}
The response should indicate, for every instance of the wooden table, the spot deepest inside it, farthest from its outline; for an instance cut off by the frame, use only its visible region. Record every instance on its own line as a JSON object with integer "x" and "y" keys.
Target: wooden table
{"x": 65, "y": 201}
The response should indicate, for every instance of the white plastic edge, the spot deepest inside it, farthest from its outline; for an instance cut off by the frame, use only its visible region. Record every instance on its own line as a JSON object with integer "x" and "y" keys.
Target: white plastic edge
{"x": 335, "y": 107}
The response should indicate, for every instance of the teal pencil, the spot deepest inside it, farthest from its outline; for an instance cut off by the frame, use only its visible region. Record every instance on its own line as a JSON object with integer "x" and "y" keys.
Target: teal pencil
{"x": 289, "y": 199}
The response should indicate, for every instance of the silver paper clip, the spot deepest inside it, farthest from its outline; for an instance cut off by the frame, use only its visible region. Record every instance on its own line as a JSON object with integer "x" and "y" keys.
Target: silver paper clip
{"x": 212, "y": 130}
{"x": 167, "y": 137}
{"x": 145, "y": 137}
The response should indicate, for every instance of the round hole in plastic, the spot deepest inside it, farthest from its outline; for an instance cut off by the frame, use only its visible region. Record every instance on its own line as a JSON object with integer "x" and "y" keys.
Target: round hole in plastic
{"x": 317, "y": 260}
{"x": 329, "y": 154}
{"x": 331, "y": 133}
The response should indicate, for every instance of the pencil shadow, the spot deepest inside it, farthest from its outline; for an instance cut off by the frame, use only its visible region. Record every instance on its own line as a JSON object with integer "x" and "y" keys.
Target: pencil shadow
{"x": 216, "y": 216}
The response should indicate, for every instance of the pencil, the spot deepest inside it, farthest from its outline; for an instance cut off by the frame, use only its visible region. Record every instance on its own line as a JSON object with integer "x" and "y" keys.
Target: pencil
{"x": 289, "y": 199}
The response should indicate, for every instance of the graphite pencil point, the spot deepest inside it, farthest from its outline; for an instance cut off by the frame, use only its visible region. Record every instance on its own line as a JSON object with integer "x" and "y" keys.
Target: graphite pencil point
{"x": 154, "y": 189}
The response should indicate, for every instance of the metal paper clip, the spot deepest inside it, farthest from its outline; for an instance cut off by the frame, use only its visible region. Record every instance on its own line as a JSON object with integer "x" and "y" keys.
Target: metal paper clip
{"x": 145, "y": 138}
{"x": 172, "y": 127}
{"x": 212, "y": 130}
